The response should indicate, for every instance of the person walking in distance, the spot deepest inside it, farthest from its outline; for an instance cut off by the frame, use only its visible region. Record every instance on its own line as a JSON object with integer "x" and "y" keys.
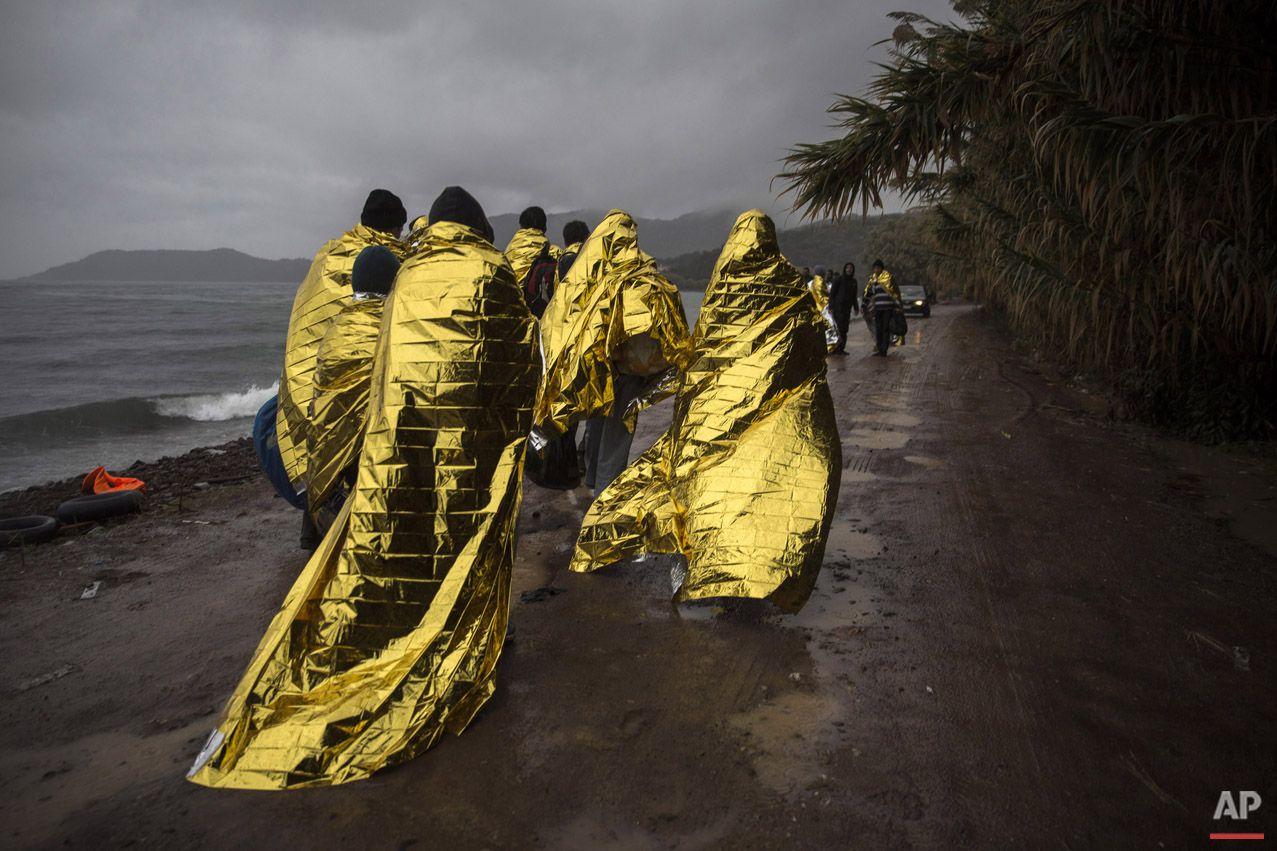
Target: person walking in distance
{"x": 883, "y": 298}
{"x": 842, "y": 303}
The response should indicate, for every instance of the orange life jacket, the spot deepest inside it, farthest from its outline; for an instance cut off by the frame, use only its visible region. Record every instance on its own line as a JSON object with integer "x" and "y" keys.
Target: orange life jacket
{"x": 100, "y": 481}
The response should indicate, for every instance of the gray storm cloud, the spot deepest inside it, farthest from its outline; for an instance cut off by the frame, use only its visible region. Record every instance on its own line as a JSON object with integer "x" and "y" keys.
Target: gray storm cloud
{"x": 261, "y": 127}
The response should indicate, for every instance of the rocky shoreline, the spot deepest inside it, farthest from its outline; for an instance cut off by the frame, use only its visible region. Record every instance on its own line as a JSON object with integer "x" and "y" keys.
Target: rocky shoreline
{"x": 166, "y": 479}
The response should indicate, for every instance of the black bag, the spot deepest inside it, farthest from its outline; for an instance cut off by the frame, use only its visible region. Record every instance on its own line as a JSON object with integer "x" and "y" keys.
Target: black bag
{"x": 538, "y": 284}
{"x": 556, "y": 467}
{"x": 899, "y": 327}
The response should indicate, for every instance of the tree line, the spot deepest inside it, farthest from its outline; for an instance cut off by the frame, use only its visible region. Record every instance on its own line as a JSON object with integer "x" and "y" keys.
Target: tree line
{"x": 1101, "y": 172}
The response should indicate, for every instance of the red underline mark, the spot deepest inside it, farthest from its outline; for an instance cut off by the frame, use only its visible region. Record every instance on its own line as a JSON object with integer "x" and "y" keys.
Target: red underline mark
{"x": 1236, "y": 836}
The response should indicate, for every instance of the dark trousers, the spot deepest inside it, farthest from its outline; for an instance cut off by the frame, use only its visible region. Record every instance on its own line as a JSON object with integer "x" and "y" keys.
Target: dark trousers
{"x": 607, "y": 441}
{"x": 882, "y": 328}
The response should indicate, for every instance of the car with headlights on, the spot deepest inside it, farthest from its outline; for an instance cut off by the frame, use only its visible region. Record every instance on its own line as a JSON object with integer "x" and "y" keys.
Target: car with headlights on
{"x": 915, "y": 299}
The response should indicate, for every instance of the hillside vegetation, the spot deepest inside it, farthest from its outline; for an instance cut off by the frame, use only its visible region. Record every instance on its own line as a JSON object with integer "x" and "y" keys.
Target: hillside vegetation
{"x": 658, "y": 237}
{"x": 1104, "y": 174}
{"x": 827, "y": 244}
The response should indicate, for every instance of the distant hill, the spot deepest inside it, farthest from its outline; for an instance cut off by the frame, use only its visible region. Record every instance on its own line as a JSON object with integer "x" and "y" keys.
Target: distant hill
{"x": 825, "y": 244}
{"x": 691, "y": 243}
{"x": 658, "y": 237}
{"x": 688, "y": 246}
{"x": 219, "y": 264}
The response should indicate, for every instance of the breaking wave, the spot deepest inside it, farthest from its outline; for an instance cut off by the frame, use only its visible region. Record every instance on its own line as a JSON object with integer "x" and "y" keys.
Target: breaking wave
{"x": 97, "y": 421}
{"x": 215, "y": 407}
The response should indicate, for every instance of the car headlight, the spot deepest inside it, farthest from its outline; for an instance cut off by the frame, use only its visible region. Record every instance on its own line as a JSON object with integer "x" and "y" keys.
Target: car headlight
{"x": 918, "y": 303}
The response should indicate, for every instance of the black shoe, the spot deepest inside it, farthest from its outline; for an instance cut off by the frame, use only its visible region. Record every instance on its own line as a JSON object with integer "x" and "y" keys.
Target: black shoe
{"x": 509, "y": 631}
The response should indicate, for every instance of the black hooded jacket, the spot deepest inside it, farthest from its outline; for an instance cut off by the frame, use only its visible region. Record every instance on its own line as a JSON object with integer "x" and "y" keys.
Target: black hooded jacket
{"x": 842, "y": 297}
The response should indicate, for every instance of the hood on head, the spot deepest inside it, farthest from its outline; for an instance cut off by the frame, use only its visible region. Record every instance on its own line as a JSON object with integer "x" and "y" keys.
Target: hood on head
{"x": 455, "y": 204}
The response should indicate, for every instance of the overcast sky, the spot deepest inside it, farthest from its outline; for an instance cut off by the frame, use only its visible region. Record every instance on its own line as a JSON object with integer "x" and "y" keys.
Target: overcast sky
{"x": 261, "y": 126}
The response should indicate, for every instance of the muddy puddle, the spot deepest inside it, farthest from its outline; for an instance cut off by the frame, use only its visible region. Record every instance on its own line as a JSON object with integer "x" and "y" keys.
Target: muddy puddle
{"x": 789, "y": 736}
{"x": 845, "y": 540}
{"x": 786, "y": 736}
{"x": 885, "y": 400}
{"x": 866, "y": 438}
{"x": 890, "y": 418}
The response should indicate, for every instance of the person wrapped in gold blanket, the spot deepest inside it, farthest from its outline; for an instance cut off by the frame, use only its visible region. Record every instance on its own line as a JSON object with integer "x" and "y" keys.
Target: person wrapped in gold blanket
{"x": 318, "y": 301}
{"x": 343, "y": 375}
{"x": 530, "y": 242}
{"x": 614, "y": 326}
{"x": 744, "y": 482}
{"x": 391, "y": 635}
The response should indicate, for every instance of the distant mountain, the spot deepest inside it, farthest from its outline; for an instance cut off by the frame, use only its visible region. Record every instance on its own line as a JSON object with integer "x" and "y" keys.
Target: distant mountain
{"x": 688, "y": 246}
{"x": 691, "y": 243}
{"x": 658, "y": 237}
{"x": 823, "y": 244}
{"x": 219, "y": 264}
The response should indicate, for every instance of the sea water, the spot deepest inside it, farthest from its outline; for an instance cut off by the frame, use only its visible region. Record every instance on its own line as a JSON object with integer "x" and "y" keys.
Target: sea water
{"x": 114, "y": 372}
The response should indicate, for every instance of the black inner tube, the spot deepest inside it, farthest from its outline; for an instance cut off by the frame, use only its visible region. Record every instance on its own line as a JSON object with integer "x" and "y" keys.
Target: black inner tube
{"x": 33, "y": 529}
{"x": 99, "y": 506}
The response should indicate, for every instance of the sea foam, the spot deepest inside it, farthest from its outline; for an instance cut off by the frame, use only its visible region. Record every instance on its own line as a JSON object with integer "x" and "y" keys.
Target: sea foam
{"x": 216, "y": 407}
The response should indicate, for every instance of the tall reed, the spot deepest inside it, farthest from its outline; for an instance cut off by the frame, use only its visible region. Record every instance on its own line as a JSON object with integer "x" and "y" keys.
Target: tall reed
{"x": 1105, "y": 173}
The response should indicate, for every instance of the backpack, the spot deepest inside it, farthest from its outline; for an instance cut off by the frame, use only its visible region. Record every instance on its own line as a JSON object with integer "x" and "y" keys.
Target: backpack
{"x": 538, "y": 283}
{"x": 266, "y": 442}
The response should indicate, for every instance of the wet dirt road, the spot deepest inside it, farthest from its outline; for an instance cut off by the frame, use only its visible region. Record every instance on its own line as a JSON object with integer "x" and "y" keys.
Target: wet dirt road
{"x": 1026, "y": 634}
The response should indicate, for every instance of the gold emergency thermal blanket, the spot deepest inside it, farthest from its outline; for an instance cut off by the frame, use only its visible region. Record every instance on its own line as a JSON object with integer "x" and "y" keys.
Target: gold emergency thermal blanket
{"x": 819, "y": 289}
{"x": 318, "y": 300}
{"x": 416, "y": 235}
{"x": 391, "y": 634}
{"x": 525, "y": 247}
{"x": 745, "y": 481}
{"x": 871, "y": 320}
{"x": 612, "y": 311}
{"x": 339, "y": 402}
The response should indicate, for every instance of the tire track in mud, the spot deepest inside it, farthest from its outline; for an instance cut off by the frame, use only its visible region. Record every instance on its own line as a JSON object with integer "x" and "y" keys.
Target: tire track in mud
{"x": 981, "y": 559}
{"x": 975, "y": 492}
{"x": 978, "y": 561}
{"x": 992, "y": 684}
{"x": 861, "y": 658}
